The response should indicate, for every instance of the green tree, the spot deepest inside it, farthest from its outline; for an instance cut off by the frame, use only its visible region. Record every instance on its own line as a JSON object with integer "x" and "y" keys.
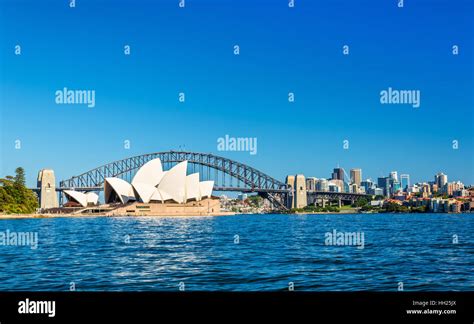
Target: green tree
{"x": 20, "y": 176}
{"x": 15, "y": 197}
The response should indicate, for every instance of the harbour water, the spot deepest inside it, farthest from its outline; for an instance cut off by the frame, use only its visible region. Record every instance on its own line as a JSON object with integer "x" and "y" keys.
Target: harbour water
{"x": 424, "y": 252}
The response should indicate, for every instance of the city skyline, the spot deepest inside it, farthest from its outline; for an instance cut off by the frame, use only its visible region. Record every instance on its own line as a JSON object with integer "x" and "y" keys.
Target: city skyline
{"x": 404, "y": 180}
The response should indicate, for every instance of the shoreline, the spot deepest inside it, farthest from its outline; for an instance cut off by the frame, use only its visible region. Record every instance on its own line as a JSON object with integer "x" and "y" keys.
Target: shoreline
{"x": 29, "y": 216}
{"x": 32, "y": 216}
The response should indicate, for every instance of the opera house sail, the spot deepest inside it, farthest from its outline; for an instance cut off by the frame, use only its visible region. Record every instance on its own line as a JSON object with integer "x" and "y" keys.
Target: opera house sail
{"x": 83, "y": 199}
{"x": 153, "y": 186}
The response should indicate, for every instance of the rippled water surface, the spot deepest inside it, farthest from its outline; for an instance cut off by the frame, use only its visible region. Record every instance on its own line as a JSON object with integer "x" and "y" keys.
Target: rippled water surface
{"x": 272, "y": 250}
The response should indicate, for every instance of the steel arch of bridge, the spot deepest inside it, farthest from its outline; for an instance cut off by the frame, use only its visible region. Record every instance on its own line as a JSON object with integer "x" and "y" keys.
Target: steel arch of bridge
{"x": 253, "y": 179}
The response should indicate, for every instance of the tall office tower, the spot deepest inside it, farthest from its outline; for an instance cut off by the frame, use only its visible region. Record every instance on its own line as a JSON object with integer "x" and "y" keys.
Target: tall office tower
{"x": 338, "y": 174}
{"x": 356, "y": 176}
{"x": 384, "y": 183}
{"x": 405, "y": 181}
{"x": 290, "y": 181}
{"x": 396, "y": 186}
{"x": 311, "y": 184}
{"x": 441, "y": 179}
{"x": 394, "y": 175}
{"x": 367, "y": 184}
{"x": 301, "y": 199}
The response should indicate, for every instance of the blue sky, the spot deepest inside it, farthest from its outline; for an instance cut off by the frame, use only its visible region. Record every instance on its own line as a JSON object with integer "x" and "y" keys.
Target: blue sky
{"x": 283, "y": 50}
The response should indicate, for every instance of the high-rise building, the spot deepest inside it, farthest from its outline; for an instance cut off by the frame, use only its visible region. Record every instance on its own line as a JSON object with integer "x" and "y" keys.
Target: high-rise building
{"x": 441, "y": 179}
{"x": 367, "y": 185}
{"x": 384, "y": 183}
{"x": 394, "y": 175}
{"x": 404, "y": 181}
{"x": 356, "y": 176}
{"x": 396, "y": 186}
{"x": 338, "y": 174}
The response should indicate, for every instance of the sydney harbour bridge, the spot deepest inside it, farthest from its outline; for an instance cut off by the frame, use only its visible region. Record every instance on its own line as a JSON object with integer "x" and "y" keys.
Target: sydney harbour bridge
{"x": 228, "y": 175}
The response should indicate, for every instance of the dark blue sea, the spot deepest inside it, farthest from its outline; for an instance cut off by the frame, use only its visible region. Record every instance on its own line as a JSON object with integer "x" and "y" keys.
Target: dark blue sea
{"x": 424, "y": 252}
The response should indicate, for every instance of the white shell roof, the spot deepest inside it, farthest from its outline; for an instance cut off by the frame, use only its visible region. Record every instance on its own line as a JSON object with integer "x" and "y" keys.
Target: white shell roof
{"x": 79, "y": 197}
{"x": 92, "y": 197}
{"x": 82, "y": 198}
{"x": 151, "y": 183}
{"x": 192, "y": 187}
{"x": 173, "y": 183}
{"x": 205, "y": 188}
{"x": 144, "y": 191}
{"x": 150, "y": 173}
{"x": 121, "y": 187}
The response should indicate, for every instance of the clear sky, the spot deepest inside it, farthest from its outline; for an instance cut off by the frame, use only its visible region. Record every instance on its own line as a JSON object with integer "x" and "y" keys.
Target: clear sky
{"x": 282, "y": 50}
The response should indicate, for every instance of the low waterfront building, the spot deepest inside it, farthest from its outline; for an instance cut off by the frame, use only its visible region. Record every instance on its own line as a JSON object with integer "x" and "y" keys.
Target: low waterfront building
{"x": 333, "y": 187}
{"x": 353, "y": 188}
{"x": 376, "y": 192}
{"x": 242, "y": 196}
{"x": 205, "y": 207}
{"x": 376, "y": 203}
{"x": 322, "y": 185}
{"x": 311, "y": 183}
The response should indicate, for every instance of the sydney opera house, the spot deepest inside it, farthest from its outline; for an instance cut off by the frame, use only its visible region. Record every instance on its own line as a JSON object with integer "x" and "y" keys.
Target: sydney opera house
{"x": 154, "y": 191}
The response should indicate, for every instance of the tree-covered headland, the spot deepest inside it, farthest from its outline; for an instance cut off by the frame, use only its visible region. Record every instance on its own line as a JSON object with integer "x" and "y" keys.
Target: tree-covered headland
{"x": 15, "y": 197}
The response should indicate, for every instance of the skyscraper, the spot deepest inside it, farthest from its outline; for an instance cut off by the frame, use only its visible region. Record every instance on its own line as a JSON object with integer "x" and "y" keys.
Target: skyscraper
{"x": 405, "y": 181}
{"x": 367, "y": 184}
{"x": 356, "y": 176}
{"x": 441, "y": 179}
{"x": 338, "y": 174}
{"x": 384, "y": 183}
{"x": 394, "y": 175}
